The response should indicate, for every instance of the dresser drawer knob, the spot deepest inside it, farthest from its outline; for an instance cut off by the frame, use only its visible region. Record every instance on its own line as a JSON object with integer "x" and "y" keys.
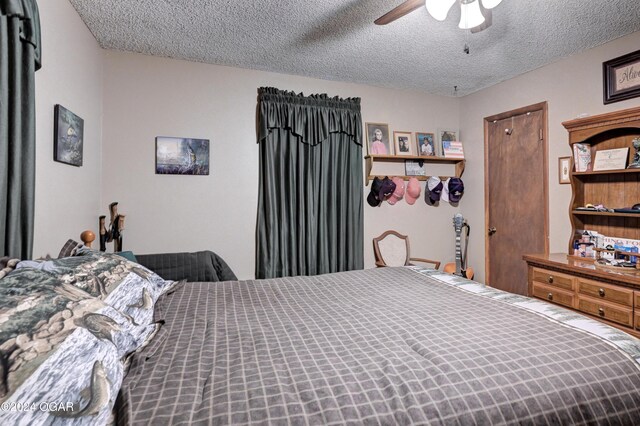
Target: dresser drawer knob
{"x": 601, "y": 292}
{"x": 601, "y": 312}
{"x": 550, "y": 296}
{"x": 550, "y": 279}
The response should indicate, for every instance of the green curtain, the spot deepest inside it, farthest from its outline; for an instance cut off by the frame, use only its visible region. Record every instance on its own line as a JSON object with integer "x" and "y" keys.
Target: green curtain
{"x": 19, "y": 60}
{"x": 310, "y": 207}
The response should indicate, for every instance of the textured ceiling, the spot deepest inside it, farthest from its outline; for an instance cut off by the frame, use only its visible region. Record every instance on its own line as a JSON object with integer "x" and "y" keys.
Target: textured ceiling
{"x": 337, "y": 40}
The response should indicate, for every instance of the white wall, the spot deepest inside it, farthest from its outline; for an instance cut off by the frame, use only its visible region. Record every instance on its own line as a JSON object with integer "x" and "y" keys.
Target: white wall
{"x": 571, "y": 86}
{"x": 145, "y": 97}
{"x": 67, "y": 197}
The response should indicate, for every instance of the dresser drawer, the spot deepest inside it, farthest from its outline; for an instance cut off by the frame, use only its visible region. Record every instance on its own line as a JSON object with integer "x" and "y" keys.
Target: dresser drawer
{"x": 553, "y": 294}
{"x": 599, "y": 308}
{"x": 605, "y": 292}
{"x": 556, "y": 279}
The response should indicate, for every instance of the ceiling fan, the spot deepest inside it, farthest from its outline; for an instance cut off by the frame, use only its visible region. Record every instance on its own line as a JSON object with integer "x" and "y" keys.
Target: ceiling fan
{"x": 471, "y": 16}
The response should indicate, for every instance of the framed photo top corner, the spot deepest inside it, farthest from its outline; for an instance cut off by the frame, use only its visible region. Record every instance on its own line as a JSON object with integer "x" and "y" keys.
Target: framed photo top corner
{"x": 621, "y": 78}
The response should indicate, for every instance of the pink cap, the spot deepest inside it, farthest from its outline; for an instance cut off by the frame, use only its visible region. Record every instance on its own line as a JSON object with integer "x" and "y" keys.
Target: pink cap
{"x": 398, "y": 193}
{"x": 413, "y": 191}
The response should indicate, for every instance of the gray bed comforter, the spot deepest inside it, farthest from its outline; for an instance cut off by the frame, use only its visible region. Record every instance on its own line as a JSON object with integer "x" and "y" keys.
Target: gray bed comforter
{"x": 383, "y": 346}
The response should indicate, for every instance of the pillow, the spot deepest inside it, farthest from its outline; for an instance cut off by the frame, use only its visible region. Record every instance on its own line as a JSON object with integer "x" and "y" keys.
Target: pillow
{"x": 198, "y": 266}
{"x": 56, "y": 339}
{"x": 127, "y": 286}
{"x": 128, "y": 255}
{"x": 7, "y": 265}
{"x": 69, "y": 248}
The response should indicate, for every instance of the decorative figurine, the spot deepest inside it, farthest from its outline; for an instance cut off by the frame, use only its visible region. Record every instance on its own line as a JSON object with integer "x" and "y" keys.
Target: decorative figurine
{"x": 116, "y": 227}
{"x": 636, "y": 157}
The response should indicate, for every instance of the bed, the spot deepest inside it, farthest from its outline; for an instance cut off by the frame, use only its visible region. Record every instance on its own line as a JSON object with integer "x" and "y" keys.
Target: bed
{"x": 383, "y": 346}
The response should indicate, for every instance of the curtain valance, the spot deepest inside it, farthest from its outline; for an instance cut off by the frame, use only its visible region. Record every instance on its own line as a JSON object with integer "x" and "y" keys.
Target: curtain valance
{"x": 310, "y": 118}
{"x": 27, "y": 12}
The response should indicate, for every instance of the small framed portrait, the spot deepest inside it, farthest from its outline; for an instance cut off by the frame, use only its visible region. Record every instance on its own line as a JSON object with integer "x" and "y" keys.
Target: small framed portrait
{"x": 564, "y": 168}
{"x": 68, "y": 136}
{"x": 378, "y": 139}
{"x": 426, "y": 144}
{"x": 403, "y": 143}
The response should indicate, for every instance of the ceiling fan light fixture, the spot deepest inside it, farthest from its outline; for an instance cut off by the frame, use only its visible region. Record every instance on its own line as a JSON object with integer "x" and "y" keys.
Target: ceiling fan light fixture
{"x": 490, "y": 4}
{"x": 439, "y": 9}
{"x": 470, "y": 14}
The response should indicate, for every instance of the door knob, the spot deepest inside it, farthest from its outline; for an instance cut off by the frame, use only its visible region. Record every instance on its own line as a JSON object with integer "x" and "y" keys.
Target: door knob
{"x": 492, "y": 230}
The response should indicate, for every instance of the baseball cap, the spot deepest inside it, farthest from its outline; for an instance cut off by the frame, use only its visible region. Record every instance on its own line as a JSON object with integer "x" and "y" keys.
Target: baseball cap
{"x": 412, "y": 192}
{"x": 456, "y": 189}
{"x": 386, "y": 189}
{"x": 433, "y": 190}
{"x": 398, "y": 194}
{"x": 372, "y": 198}
{"x": 453, "y": 190}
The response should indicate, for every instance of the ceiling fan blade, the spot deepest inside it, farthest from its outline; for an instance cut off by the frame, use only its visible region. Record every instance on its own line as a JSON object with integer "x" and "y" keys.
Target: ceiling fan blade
{"x": 403, "y": 9}
{"x": 488, "y": 20}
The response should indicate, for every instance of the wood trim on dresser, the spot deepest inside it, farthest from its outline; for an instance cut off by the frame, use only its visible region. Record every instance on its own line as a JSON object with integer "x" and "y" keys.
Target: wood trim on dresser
{"x": 579, "y": 285}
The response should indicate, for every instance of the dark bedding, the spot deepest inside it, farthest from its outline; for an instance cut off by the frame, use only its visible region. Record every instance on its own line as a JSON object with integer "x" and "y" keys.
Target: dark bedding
{"x": 197, "y": 266}
{"x": 384, "y": 346}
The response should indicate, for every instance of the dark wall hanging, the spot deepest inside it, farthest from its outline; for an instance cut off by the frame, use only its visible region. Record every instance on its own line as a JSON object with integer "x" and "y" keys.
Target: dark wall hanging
{"x": 622, "y": 78}
{"x": 68, "y": 136}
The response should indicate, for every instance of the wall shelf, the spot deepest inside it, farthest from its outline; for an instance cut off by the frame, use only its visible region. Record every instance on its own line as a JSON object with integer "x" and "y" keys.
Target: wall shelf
{"x": 606, "y": 172}
{"x": 605, "y": 214}
{"x": 370, "y": 159}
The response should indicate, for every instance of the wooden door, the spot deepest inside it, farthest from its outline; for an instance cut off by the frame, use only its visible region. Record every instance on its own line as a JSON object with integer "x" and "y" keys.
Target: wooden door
{"x": 516, "y": 194}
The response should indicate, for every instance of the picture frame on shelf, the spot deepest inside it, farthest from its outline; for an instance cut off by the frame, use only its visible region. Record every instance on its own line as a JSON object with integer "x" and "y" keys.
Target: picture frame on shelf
{"x": 453, "y": 149}
{"x": 68, "y": 136}
{"x": 414, "y": 168}
{"x": 611, "y": 159}
{"x": 403, "y": 144}
{"x": 621, "y": 77}
{"x": 425, "y": 143}
{"x": 445, "y": 135}
{"x": 564, "y": 170}
{"x": 378, "y": 140}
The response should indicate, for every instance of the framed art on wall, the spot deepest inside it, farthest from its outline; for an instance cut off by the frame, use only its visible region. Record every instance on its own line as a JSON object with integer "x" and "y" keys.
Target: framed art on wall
{"x": 426, "y": 144}
{"x": 182, "y": 156}
{"x": 402, "y": 143}
{"x": 68, "y": 136}
{"x": 564, "y": 168}
{"x": 378, "y": 139}
{"x": 621, "y": 78}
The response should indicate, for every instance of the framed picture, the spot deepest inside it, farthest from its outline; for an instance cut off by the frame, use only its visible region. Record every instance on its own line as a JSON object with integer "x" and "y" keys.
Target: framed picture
{"x": 564, "y": 169}
{"x": 426, "y": 144}
{"x": 621, "y": 78}
{"x": 413, "y": 168}
{"x": 403, "y": 144}
{"x": 446, "y": 136}
{"x": 182, "y": 156}
{"x": 68, "y": 136}
{"x": 378, "y": 139}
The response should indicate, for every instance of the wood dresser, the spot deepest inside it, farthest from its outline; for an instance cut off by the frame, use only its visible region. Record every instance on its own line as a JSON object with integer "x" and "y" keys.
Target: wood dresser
{"x": 609, "y": 296}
